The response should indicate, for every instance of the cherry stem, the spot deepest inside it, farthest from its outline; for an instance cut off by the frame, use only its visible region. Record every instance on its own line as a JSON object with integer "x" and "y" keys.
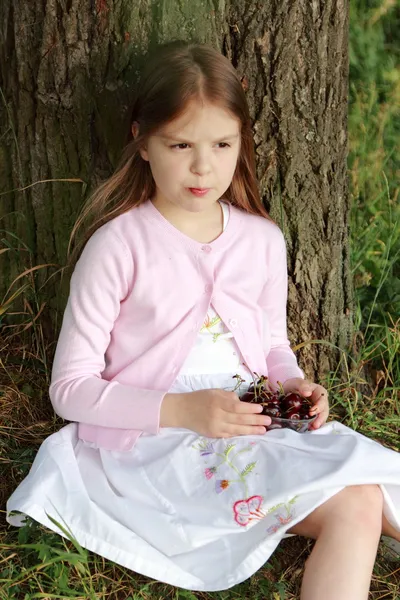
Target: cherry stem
{"x": 239, "y": 382}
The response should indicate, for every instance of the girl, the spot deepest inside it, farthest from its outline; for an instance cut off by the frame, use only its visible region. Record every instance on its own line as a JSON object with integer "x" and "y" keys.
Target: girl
{"x": 181, "y": 286}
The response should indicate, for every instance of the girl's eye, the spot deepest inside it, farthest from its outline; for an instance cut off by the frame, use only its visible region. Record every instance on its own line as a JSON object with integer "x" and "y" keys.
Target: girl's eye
{"x": 183, "y": 146}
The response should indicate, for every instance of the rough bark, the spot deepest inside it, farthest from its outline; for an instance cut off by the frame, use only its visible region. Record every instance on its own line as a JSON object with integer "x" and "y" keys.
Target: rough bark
{"x": 68, "y": 70}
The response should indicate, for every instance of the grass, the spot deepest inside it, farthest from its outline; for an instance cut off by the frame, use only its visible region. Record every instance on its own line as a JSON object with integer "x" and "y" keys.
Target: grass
{"x": 36, "y": 563}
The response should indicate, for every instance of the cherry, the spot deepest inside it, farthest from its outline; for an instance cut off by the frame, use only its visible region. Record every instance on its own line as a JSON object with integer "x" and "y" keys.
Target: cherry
{"x": 290, "y": 406}
{"x": 293, "y": 415}
{"x": 292, "y": 400}
{"x": 305, "y": 416}
{"x": 248, "y": 396}
{"x": 271, "y": 410}
{"x": 274, "y": 399}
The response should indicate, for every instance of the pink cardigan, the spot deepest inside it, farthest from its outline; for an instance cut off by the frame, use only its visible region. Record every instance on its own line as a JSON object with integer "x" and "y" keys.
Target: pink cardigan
{"x": 138, "y": 297}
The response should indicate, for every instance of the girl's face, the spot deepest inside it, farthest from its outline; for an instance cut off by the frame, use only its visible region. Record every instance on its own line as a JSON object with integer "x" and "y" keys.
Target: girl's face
{"x": 193, "y": 158}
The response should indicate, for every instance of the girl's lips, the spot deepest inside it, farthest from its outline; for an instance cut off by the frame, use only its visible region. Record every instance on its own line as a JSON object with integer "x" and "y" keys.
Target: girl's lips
{"x": 199, "y": 191}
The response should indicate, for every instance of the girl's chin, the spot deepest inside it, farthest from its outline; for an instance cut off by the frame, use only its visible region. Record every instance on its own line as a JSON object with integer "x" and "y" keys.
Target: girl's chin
{"x": 189, "y": 203}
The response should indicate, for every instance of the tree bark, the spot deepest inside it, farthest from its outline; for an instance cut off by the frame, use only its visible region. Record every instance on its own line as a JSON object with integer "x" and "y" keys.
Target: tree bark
{"x": 68, "y": 70}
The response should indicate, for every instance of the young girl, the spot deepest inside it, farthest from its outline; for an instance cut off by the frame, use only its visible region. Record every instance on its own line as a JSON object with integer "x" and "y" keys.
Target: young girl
{"x": 181, "y": 286}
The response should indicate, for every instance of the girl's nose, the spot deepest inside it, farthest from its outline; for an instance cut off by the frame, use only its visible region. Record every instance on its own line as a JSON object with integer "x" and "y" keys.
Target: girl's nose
{"x": 201, "y": 165}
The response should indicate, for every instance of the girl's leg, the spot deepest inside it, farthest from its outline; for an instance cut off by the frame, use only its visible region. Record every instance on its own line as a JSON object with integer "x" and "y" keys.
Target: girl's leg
{"x": 388, "y": 529}
{"x": 347, "y": 530}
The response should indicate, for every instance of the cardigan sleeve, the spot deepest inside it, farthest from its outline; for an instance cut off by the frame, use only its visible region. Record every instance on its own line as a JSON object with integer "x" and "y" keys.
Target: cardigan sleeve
{"x": 281, "y": 360}
{"x": 100, "y": 282}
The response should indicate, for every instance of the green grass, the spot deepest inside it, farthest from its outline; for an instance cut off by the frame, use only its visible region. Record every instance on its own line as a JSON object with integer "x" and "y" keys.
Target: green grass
{"x": 36, "y": 563}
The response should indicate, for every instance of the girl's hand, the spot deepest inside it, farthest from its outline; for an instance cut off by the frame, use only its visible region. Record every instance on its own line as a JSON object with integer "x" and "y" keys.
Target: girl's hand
{"x": 215, "y": 413}
{"x": 316, "y": 393}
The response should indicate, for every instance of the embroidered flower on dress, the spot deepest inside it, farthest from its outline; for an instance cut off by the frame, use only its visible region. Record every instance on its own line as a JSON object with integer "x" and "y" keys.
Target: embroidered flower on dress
{"x": 207, "y": 449}
{"x": 248, "y": 510}
{"x": 282, "y": 520}
{"x": 209, "y": 473}
{"x": 210, "y": 323}
{"x": 221, "y": 485}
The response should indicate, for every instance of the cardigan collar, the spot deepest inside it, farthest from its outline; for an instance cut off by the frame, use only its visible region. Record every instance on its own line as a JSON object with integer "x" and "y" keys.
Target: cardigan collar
{"x": 150, "y": 212}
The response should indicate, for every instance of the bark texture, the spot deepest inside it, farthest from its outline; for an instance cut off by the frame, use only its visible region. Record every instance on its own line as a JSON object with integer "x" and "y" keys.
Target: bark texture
{"x": 68, "y": 70}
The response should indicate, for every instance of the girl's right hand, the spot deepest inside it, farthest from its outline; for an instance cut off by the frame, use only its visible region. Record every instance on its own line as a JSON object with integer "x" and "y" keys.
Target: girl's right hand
{"x": 213, "y": 413}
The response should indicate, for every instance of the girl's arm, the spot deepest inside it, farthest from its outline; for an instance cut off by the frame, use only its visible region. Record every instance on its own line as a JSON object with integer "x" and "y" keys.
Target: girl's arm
{"x": 100, "y": 282}
{"x": 281, "y": 361}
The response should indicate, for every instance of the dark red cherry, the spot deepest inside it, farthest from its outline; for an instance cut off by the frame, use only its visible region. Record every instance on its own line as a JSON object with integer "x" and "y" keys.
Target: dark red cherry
{"x": 304, "y": 416}
{"x": 293, "y": 415}
{"x": 292, "y": 400}
{"x": 275, "y": 399}
{"x": 248, "y": 396}
{"x": 271, "y": 410}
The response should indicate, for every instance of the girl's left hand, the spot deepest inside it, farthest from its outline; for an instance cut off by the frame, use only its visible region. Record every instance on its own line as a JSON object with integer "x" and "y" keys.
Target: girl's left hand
{"x": 316, "y": 393}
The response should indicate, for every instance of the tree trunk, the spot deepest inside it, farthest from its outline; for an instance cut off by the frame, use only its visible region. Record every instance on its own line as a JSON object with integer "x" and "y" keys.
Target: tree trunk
{"x": 68, "y": 69}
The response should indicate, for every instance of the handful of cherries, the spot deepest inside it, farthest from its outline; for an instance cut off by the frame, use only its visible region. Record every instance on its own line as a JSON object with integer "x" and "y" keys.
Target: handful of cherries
{"x": 289, "y": 410}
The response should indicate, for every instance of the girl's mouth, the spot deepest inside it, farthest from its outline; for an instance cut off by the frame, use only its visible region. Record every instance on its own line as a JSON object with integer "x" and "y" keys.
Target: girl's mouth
{"x": 199, "y": 191}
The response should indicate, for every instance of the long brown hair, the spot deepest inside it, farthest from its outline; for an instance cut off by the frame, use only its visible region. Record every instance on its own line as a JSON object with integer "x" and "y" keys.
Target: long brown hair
{"x": 177, "y": 73}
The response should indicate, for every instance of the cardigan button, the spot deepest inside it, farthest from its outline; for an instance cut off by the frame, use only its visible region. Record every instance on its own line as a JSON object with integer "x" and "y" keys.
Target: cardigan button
{"x": 208, "y": 287}
{"x": 206, "y": 249}
{"x": 233, "y": 322}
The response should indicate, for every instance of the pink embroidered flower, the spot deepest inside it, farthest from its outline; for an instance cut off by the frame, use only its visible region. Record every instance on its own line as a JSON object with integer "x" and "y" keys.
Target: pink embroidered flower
{"x": 209, "y": 473}
{"x": 248, "y": 510}
{"x": 221, "y": 485}
{"x": 284, "y": 520}
{"x": 281, "y": 521}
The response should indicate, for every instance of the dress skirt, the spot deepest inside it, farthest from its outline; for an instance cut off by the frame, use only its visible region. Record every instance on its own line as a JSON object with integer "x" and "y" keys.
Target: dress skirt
{"x": 198, "y": 513}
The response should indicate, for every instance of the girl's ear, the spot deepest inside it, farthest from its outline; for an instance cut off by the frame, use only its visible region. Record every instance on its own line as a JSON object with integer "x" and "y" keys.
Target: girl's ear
{"x": 135, "y": 129}
{"x": 135, "y": 133}
{"x": 143, "y": 153}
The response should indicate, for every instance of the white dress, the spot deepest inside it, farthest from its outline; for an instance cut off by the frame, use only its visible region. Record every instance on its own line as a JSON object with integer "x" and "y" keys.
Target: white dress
{"x": 199, "y": 513}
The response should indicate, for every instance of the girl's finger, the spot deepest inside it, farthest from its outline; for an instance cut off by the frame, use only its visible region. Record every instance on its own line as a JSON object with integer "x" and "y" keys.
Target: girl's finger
{"x": 305, "y": 390}
{"x": 320, "y": 420}
{"x": 320, "y": 399}
{"x": 317, "y": 406}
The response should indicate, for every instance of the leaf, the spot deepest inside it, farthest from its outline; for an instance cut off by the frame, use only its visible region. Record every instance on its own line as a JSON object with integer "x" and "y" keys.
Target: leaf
{"x": 69, "y": 535}
{"x": 248, "y": 469}
{"x": 24, "y": 534}
{"x": 81, "y": 568}
{"x": 185, "y": 594}
{"x": 273, "y": 508}
{"x": 7, "y": 303}
{"x": 229, "y": 448}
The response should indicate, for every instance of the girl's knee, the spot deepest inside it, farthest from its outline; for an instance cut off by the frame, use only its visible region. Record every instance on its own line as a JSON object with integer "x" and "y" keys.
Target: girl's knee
{"x": 354, "y": 506}
{"x": 363, "y": 504}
